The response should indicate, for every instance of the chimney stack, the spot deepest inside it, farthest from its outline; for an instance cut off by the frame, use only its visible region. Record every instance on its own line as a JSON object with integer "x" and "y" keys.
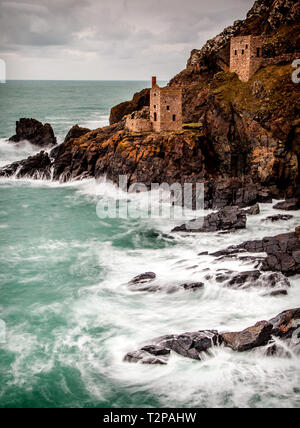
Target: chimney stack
{"x": 153, "y": 81}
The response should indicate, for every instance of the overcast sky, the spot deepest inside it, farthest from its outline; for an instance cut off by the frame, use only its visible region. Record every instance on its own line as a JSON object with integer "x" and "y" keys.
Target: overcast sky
{"x": 108, "y": 39}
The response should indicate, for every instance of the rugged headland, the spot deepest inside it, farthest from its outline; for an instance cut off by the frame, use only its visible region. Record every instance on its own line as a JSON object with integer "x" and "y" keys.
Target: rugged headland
{"x": 236, "y": 136}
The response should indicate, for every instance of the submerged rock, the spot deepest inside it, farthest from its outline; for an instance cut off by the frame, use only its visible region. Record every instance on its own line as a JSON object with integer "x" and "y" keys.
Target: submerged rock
{"x": 278, "y": 217}
{"x": 35, "y": 132}
{"x": 228, "y": 219}
{"x": 254, "y": 279}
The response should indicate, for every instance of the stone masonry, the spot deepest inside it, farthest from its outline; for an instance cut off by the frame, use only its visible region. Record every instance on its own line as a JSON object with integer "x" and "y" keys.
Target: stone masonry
{"x": 245, "y": 56}
{"x": 165, "y": 111}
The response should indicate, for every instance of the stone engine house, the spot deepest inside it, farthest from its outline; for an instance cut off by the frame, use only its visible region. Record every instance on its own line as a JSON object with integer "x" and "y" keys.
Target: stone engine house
{"x": 165, "y": 111}
{"x": 245, "y": 56}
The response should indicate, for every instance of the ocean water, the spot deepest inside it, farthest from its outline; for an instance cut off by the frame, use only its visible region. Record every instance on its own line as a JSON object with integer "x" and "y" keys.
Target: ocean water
{"x": 70, "y": 317}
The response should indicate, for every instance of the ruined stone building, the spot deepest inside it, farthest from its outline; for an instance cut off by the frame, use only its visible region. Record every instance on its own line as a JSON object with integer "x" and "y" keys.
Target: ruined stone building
{"x": 165, "y": 108}
{"x": 245, "y": 56}
{"x": 165, "y": 113}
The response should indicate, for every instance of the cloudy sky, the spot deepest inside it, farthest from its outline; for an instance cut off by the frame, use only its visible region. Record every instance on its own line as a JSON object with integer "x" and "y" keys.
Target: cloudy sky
{"x": 108, "y": 39}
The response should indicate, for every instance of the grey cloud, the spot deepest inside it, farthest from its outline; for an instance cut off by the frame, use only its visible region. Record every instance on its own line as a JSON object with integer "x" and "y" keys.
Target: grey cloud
{"x": 132, "y": 33}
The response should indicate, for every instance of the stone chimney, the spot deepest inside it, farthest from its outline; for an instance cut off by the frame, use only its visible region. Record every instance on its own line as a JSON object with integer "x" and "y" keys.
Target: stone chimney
{"x": 153, "y": 81}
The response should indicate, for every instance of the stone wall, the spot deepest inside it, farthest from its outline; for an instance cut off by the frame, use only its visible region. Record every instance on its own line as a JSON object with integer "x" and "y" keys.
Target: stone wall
{"x": 138, "y": 125}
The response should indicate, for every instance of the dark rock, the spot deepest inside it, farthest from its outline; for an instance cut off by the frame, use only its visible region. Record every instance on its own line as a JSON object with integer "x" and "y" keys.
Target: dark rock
{"x": 278, "y": 217}
{"x": 252, "y": 337}
{"x": 192, "y": 286}
{"x": 191, "y": 345}
{"x": 143, "y": 278}
{"x": 140, "y": 100}
{"x": 288, "y": 205}
{"x": 35, "y": 132}
{"x": 230, "y": 218}
{"x": 156, "y": 350}
{"x": 143, "y": 358}
{"x": 282, "y": 252}
{"x": 286, "y": 323}
{"x": 254, "y": 210}
{"x": 36, "y": 167}
{"x": 76, "y": 132}
{"x": 277, "y": 293}
{"x": 251, "y": 279}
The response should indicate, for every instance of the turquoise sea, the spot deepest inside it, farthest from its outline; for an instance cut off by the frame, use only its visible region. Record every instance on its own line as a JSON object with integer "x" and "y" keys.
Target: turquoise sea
{"x": 67, "y": 315}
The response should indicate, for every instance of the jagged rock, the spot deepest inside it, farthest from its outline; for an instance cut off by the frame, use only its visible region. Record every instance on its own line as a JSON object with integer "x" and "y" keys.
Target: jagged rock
{"x": 283, "y": 252}
{"x": 140, "y": 99}
{"x": 288, "y": 205}
{"x": 286, "y": 323}
{"x": 35, "y": 132}
{"x": 255, "y": 278}
{"x": 230, "y": 218}
{"x": 254, "y": 210}
{"x": 252, "y": 337}
{"x": 285, "y": 326}
{"x": 156, "y": 350}
{"x": 190, "y": 345}
{"x": 76, "y": 132}
{"x": 279, "y": 217}
{"x": 144, "y": 278}
{"x": 143, "y": 357}
{"x": 192, "y": 286}
{"x": 36, "y": 167}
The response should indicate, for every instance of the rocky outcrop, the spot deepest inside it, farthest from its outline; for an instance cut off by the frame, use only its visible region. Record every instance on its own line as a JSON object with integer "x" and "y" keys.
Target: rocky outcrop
{"x": 37, "y": 167}
{"x": 229, "y": 219}
{"x": 283, "y": 252}
{"x": 146, "y": 282}
{"x": 35, "y": 132}
{"x": 252, "y": 337}
{"x": 76, "y": 132}
{"x": 288, "y": 205}
{"x": 198, "y": 345}
{"x": 140, "y": 100}
{"x": 253, "y": 279}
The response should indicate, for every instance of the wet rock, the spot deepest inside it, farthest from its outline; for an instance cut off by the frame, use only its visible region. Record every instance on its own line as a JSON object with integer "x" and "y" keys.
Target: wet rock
{"x": 286, "y": 323}
{"x": 288, "y": 205}
{"x": 76, "y": 132}
{"x": 283, "y": 252}
{"x": 254, "y": 210}
{"x": 253, "y": 279}
{"x": 229, "y": 219}
{"x": 143, "y": 357}
{"x": 36, "y": 167}
{"x": 278, "y": 217}
{"x": 144, "y": 278}
{"x": 277, "y": 293}
{"x": 35, "y": 132}
{"x": 191, "y": 345}
{"x": 252, "y": 337}
{"x": 192, "y": 286}
{"x": 156, "y": 350}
